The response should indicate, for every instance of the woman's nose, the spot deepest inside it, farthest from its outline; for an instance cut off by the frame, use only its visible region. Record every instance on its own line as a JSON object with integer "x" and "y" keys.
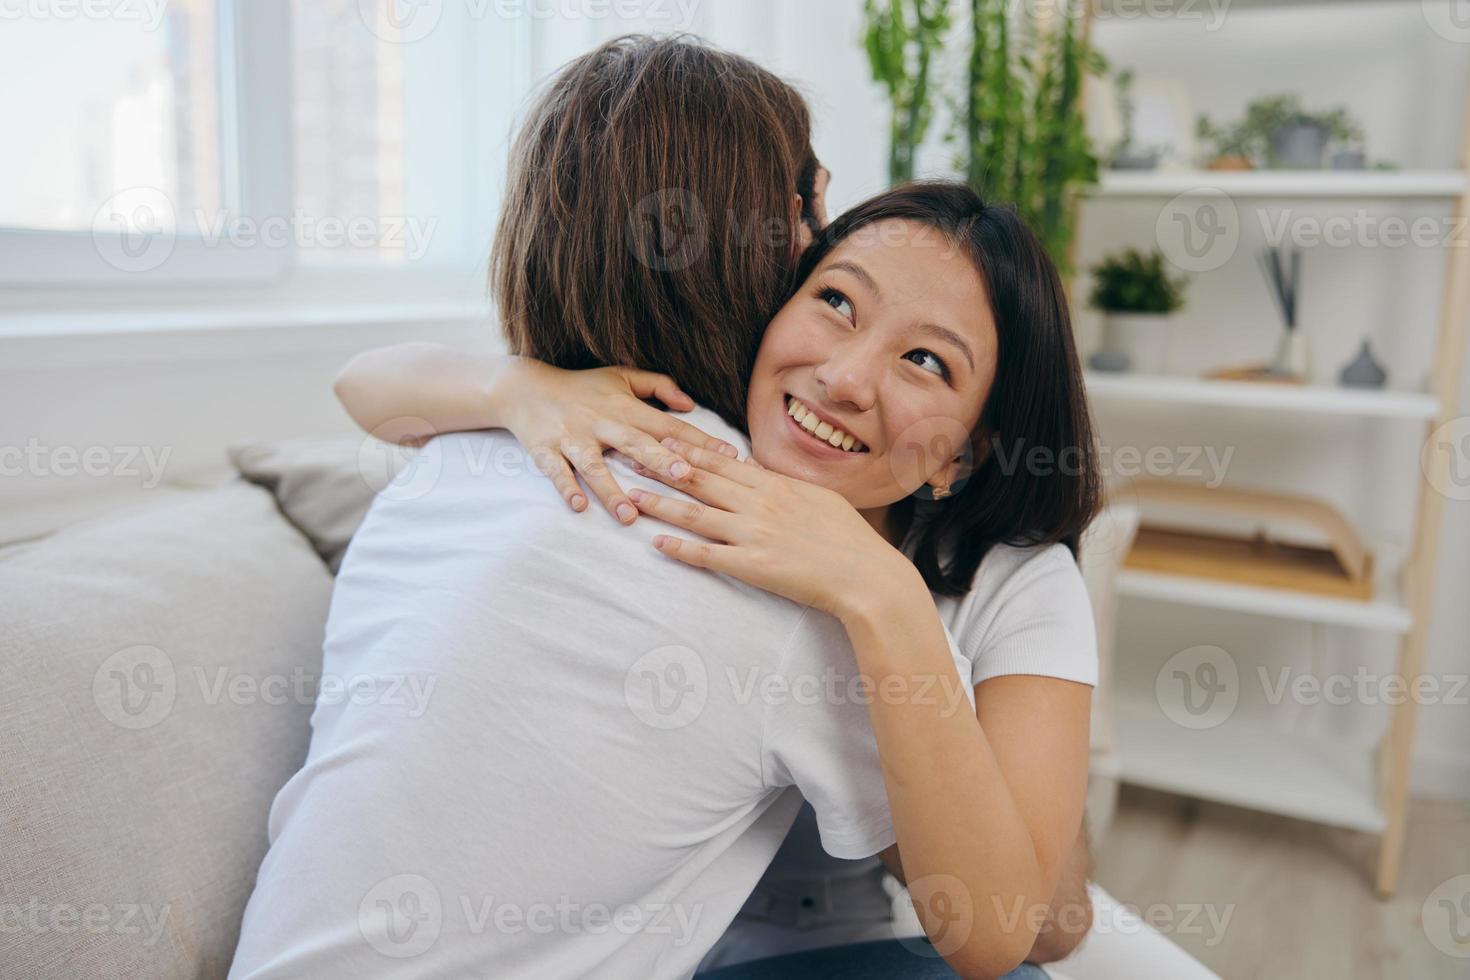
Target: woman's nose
{"x": 850, "y": 375}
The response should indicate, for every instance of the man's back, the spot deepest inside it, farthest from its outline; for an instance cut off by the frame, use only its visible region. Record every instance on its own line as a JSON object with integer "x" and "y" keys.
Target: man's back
{"x": 541, "y": 748}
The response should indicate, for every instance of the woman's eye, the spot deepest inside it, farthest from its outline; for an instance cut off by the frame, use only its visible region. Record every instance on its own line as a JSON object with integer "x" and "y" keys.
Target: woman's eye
{"x": 838, "y": 302}
{"x": 928, "y": 361}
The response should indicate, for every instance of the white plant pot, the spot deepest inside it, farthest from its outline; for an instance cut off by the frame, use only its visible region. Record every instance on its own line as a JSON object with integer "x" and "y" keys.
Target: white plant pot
{"x": 1144, "y": 337}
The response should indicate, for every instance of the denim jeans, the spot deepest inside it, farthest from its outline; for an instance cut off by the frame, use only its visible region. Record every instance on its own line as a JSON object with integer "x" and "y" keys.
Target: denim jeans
{"x": 885, "y": 960}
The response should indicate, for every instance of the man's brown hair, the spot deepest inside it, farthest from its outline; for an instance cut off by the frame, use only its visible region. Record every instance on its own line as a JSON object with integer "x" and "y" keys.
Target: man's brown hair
{"x": 648, "y": 220}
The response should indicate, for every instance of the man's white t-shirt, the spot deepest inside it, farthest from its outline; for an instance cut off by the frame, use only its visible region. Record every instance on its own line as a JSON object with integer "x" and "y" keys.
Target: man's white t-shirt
{"x": 543, "y": 749}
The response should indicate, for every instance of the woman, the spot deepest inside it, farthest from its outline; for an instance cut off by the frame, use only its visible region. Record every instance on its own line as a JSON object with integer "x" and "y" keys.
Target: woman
{"x": 998, "y": 817}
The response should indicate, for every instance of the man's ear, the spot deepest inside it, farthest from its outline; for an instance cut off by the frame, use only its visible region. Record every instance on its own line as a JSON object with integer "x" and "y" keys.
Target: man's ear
{"x": 803, "y": 236}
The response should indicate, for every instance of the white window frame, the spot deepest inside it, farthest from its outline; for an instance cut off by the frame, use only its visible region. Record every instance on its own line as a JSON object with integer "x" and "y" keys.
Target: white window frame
{"x": 254, "y": 42}
{"x": 60, "y": 272}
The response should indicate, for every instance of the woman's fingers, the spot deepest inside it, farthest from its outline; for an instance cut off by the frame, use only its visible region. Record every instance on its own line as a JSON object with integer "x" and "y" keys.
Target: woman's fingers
{"x": 731, "y": 469}
{"x": 662, "y": 425}
{"x": 647, "y": 384}
{"x": 700, "y": 554}
{"x": 589, "y": 462}
{"x": 642, "y": 449}
{"x": 709, "y": 487}
{"x": 691, "y": 515}
{"x": 554, "y": 466}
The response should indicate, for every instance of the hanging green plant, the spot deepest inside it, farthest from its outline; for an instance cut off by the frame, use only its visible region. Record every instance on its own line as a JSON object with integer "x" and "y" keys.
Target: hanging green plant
{"x": 1025, "y": 135}
{"x": 1019, "y": 122}
{"x": 901, "y": 38}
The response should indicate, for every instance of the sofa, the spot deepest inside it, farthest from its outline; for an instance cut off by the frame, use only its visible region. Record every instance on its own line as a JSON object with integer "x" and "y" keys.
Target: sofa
{"x": 158, "y": 669}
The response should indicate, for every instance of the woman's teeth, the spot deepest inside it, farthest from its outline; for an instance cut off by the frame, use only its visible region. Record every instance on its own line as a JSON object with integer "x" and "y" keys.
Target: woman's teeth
{"x": 824, "y": 431}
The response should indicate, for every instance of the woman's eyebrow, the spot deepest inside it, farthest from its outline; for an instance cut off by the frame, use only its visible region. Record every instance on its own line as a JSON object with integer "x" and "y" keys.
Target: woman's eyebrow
{"x": 852, "y": 268}
{"x": 944, "y": 333}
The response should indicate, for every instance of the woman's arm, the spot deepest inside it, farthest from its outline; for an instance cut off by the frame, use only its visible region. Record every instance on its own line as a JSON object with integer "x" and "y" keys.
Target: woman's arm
{"x": 985, "y": 812}
{"x": 985, "y": 805}
{"x": 1069, "y": 917}
{"x": 410, "y": 393}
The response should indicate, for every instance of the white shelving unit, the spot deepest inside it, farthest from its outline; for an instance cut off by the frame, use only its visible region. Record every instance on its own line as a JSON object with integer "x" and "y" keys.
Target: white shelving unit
{"x": 1384, "y": 614}
{"x": 1166, "y": 389}
{"x": 1294, "y": 184}
{"x": 1245, "y": 762}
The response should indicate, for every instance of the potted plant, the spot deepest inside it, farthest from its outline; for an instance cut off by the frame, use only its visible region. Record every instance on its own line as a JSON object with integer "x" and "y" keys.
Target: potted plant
{"x": 1136, "y": 295}
{"x": 1230, "y": 147}
{"x": 1294, "y": 137}
{"x": 1278, "y": 132}
{"x": 1348, "y": 135}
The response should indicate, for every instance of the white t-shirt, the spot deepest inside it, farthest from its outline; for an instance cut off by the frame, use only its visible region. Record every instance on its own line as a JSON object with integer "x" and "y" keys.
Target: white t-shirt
{"x": 543, "y": 749}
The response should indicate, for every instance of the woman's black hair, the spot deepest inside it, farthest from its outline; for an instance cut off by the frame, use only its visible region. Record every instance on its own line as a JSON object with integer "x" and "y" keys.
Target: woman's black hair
{"x": 1036, "y": 479}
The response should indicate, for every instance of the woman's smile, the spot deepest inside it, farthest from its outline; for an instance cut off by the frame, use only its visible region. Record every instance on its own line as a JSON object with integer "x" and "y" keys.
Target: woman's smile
{"x": 818, "y": 433}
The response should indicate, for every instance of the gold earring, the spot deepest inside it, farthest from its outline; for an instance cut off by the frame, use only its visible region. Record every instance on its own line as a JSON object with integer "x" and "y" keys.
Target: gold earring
{"x": 941, "y": 492}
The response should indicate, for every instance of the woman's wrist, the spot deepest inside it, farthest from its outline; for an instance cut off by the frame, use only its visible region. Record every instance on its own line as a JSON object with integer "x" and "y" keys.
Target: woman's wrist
{"x": 889, "y": 590}
{"x": 507, "y": 390}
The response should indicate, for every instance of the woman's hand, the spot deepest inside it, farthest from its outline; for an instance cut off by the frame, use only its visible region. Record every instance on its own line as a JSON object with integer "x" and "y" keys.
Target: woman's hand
{"x": 785, "y": 536}
{"x": 567, "y": 419}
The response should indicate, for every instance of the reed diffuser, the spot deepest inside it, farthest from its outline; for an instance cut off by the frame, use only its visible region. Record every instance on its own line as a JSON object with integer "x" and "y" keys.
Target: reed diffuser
{"x": 1282, "y": 268}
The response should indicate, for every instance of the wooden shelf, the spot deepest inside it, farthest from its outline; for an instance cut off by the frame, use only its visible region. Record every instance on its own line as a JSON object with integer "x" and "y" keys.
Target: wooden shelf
{"x": 1294, "y": 184}
{"x": 1382, "y": 613}
{"x": 1244, "y": 763}
{"x": 1262, "y": 396}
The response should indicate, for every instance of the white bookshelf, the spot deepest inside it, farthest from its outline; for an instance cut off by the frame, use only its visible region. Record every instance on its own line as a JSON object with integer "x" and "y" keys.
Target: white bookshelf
{"x": 1383, "y": 614}
{"x": 1172, "y": 390}
{"x": 1245, "y": 763}
{"x": 1292, "y": 184}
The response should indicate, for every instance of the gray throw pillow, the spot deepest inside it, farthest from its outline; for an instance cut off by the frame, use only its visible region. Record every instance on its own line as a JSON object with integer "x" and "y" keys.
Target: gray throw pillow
{"x": 323, "y": 486}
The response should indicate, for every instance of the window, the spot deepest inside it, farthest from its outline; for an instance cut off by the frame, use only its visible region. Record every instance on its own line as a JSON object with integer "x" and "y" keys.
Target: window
{"x": 109, "y": 104}
{"x": 347, "y": 133}
{"x": 272, "y": 146}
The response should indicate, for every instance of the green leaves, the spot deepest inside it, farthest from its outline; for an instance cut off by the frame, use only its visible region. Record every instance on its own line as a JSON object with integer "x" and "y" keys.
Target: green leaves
{"x": 1039, "y": 130}
{"x": 900, "y": 40}
{"x": 1132, "y": 282}
{"x": 1019, "y": 122}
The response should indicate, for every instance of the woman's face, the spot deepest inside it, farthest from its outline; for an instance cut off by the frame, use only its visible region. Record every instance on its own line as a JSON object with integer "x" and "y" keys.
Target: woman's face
{"x": 890, "y": 344}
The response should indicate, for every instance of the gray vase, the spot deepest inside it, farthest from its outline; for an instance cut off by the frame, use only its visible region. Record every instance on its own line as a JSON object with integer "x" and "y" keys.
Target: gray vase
{"x": 1136, "y": 160}
{"x": 1363, "y": 371}
{"x": 1299, "y": 146}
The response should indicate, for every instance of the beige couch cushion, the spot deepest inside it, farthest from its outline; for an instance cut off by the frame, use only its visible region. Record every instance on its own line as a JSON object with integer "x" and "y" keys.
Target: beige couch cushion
{"x": 149, "y": 710}
{"x": 323, "y": 486}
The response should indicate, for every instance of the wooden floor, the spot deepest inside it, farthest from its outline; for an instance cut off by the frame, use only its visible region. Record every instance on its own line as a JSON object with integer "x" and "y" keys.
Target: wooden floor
{"x": 1299, "y": 895}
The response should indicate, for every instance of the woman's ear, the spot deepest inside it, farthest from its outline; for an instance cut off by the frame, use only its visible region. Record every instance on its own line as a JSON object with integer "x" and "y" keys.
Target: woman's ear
{"x": 947, "y": 481}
